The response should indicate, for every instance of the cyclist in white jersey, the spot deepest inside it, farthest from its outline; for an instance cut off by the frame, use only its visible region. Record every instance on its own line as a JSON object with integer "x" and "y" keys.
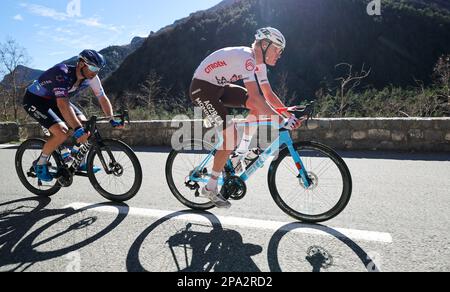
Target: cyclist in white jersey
{"x": 213, "y": 90}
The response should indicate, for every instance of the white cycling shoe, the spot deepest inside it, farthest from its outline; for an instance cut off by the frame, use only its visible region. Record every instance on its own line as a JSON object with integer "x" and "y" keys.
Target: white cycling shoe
{"x": 216, "y": 198}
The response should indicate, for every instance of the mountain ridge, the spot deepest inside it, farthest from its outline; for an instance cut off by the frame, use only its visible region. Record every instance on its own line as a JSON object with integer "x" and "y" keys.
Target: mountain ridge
{"x": 400, "y": 46}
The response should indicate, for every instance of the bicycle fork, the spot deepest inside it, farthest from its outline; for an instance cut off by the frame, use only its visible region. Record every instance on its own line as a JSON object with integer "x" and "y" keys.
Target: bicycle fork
{"x": 303, "y": 173}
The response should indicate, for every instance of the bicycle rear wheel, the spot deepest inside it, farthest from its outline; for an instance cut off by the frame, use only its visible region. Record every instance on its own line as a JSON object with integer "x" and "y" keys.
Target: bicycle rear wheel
{"x": 27, "y": 153}
{"x": 122, "y": 178}
{"x": 179, "y": 167}
{"x": 329, "y": 193}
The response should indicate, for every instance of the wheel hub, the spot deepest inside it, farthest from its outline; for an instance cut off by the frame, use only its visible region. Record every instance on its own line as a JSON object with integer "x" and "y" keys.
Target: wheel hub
{"x": 314, "y": 181}
{"x": 116, "y": 169}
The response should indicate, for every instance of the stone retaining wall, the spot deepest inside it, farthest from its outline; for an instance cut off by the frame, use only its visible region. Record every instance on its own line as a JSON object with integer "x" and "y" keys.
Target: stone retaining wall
{"x": 397, "y": 134}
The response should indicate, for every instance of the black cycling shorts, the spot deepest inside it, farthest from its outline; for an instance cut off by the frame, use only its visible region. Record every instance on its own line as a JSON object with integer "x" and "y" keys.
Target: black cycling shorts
{"x": 45, "y": 111}
{"x": 214, "y": 100}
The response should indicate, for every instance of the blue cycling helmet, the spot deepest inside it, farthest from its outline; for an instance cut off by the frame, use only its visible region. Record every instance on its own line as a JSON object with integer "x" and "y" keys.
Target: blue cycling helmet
{"x": 93, "y": 58}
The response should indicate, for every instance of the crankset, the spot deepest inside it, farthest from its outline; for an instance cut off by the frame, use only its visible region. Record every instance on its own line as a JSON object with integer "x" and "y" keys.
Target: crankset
{"x": 64, "y": 177}
{"x": 234, "y": 188}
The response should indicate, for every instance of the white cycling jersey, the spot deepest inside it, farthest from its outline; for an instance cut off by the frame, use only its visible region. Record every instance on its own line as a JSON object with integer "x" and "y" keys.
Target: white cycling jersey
{"x": 230, "y": 65}
{"x": 95, "y": 84}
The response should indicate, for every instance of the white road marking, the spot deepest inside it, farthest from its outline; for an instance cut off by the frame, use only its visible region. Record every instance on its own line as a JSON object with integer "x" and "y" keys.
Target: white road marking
{"x": 245, "y": 222}
{"x": 4, "y": 146}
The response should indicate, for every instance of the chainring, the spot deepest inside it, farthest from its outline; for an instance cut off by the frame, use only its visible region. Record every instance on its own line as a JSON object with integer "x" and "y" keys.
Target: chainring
{"x": 234, "y": 188}
{"x": 65, "y": 177}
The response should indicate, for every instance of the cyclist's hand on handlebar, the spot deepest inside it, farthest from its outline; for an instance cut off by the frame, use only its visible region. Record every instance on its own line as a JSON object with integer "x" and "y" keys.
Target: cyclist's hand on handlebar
{"x": 291, "y": 123}
{"x": 81, "y": 136}
{"x": 83, "y": 139}
{"x": 299, "y": 122}
{"x": 117, "y": 124}
{"x": 294, "y": 108}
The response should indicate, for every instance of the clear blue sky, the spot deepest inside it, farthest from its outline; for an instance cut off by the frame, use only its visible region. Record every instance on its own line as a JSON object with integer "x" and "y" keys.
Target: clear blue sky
{"x": 55, "y": 30}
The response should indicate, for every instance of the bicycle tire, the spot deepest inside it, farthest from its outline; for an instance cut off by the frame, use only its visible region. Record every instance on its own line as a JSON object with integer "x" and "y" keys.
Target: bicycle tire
{"x": 171, "y": 182}
{"x": 343, "y": 168}
{"x": 20, "y": 172}
{"x": 136, "y": 166}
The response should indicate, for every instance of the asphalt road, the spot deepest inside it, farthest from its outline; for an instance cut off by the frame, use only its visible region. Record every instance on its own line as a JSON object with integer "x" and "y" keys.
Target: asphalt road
{"x": 397, "y": 220}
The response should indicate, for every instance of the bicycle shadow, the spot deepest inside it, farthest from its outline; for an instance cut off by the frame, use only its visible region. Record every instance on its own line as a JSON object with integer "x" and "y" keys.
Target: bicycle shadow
{"x": 19, "y": 242}
{"x": 223, "y": 250}
{"x": 316, "y": 256}
{"x": 216, "y": 249}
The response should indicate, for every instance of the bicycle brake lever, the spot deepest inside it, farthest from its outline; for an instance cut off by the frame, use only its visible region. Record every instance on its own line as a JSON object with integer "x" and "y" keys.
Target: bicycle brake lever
{"x": 127, "y": 117}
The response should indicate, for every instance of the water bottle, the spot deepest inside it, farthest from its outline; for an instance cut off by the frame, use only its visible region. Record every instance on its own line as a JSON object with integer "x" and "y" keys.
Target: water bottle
{"x": 237, "y": 161}
{"x": 66, "y": 156}
{"x": 75, "y": 150}
{"x": 252, "y": 156}
{"x": 242, "y": 161}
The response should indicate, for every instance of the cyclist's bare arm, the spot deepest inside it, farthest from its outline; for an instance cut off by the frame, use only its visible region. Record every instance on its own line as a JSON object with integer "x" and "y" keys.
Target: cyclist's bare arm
{"x": 68, "y": 113}
{"x": 272, "y": 98}
{"x": 258, "y": 105}
{"x": 106, "y": 106}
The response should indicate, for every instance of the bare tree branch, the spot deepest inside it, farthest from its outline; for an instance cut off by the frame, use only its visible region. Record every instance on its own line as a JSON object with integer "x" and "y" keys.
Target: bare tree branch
{"x": 348, "y": 83}
{"x": 13, "y": 55}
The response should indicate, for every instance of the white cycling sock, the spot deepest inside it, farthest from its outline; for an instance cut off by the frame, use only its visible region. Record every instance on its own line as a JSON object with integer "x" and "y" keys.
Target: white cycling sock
{"x": 213, "y": 182}
{"x": 43, "y": 159}
{"x": 245, "y": 145}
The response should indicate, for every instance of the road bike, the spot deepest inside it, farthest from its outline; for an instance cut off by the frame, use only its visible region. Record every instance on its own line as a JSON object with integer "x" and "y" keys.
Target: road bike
{"x": 113, "y": 168}
{"x": 308, "y": 180}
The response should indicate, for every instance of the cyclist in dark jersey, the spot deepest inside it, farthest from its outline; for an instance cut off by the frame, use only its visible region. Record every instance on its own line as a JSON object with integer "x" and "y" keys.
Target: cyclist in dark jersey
{"x": 47, "y": 100}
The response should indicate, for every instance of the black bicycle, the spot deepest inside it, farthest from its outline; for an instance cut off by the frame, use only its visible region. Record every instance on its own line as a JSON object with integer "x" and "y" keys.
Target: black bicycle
{"x": 118, "y": 173}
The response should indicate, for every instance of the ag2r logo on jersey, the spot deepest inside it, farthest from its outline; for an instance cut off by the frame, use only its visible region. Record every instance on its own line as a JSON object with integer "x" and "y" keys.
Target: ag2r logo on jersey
{"x": 250, "y": 65}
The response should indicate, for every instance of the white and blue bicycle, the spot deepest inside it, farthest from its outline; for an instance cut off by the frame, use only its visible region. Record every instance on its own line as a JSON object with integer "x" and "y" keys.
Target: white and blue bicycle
{"x": 308, "y": 180}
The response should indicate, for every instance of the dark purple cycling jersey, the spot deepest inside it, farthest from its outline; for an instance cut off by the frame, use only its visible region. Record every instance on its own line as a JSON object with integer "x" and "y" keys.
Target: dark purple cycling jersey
{"x": 59, "y": 82}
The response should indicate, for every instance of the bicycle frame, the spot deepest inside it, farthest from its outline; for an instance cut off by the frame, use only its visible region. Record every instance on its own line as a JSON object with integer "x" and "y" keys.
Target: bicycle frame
{"x": 283, "y": 139}
{"x": 95, "y": 141}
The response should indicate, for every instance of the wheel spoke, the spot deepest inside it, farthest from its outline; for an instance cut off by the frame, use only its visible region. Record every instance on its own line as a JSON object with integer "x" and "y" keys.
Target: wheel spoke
{"x": 183, "y": 162}
{"x": 327, "y": 187}
{"x": 111, "y": 185}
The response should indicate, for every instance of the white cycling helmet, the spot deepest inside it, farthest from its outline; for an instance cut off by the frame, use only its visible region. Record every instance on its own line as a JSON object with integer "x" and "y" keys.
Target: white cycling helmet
{"x": 273, "y": 35}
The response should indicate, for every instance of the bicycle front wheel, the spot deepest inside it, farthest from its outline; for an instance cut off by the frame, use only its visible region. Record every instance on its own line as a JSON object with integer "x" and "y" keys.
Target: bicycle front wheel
{"x": 331, "y": 187}
{"x": 115, "y": 171}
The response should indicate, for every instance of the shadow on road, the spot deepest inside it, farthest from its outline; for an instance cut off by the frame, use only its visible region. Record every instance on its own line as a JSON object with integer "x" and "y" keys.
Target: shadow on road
{"x": 172, "y": 245}
{"x": 317, "y": 256}
{"x": 20, "y": 242}
{"x": 192, "y": 248}
{"x": 29, "y": 232}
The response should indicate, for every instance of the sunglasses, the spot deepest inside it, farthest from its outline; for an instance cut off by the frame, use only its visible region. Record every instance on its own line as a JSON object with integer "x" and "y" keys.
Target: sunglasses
{"x": 280, "y": 51}
{"x": 93, "y": 68}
